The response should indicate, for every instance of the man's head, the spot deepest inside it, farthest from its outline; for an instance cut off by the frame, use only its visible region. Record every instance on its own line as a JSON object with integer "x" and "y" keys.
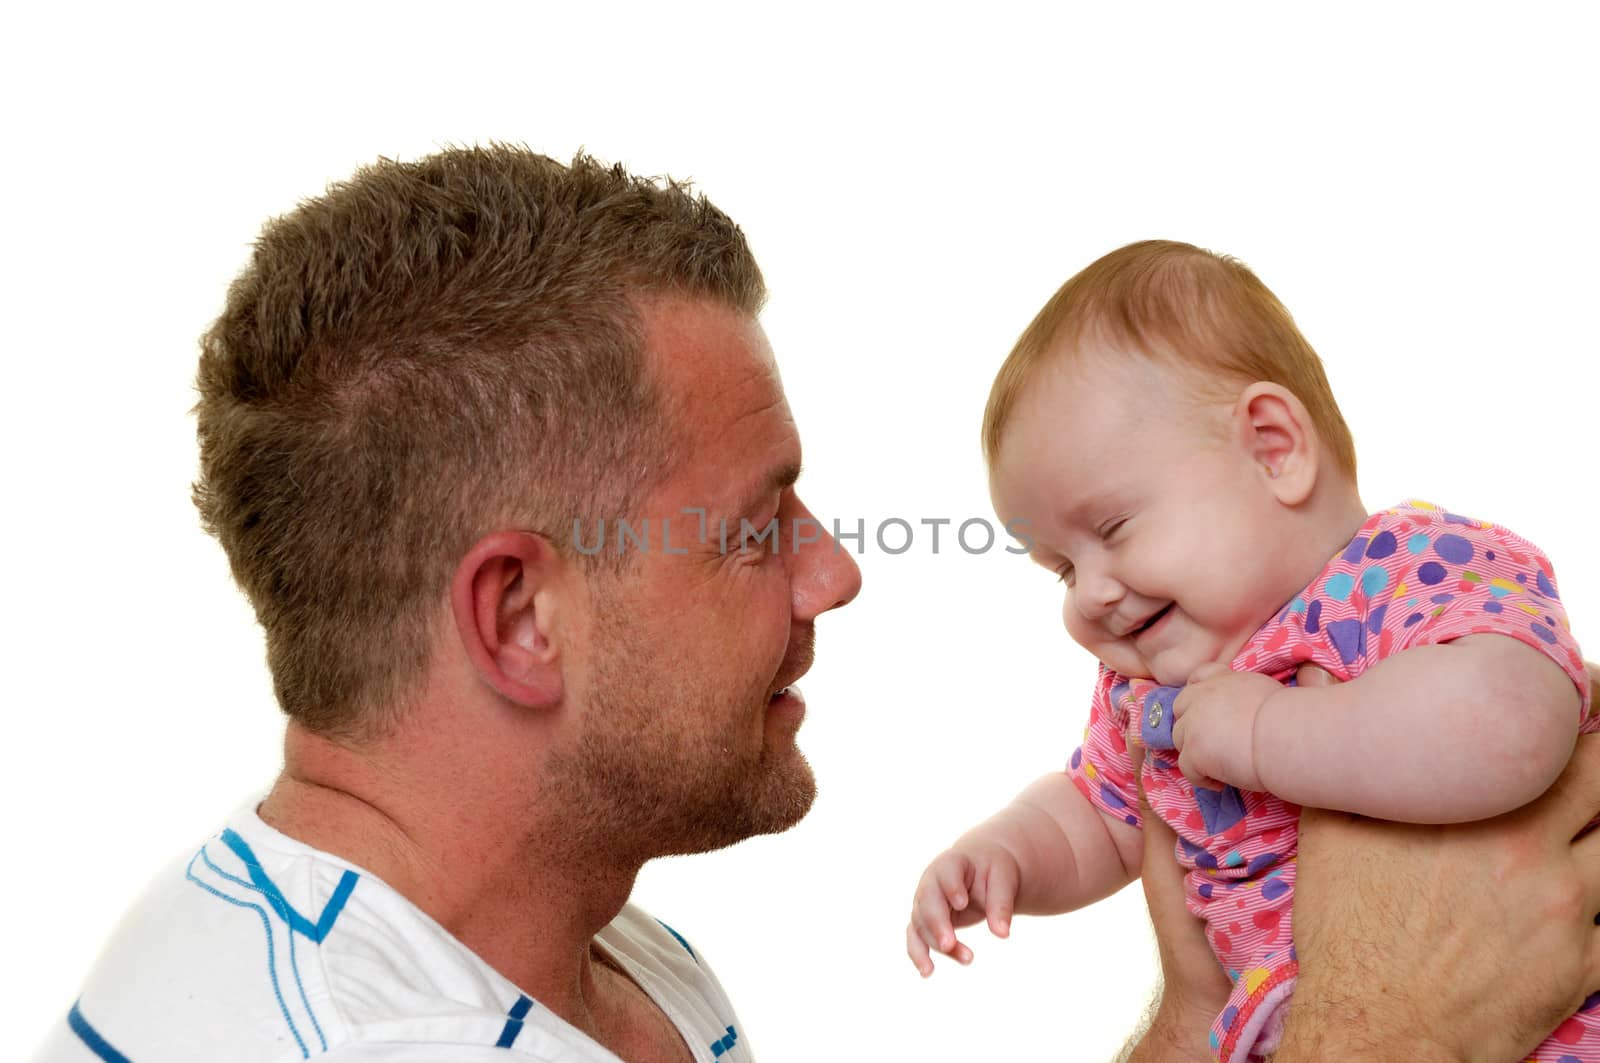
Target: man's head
{"x": 427, "y": 352}
{"x": 694, "y": 655}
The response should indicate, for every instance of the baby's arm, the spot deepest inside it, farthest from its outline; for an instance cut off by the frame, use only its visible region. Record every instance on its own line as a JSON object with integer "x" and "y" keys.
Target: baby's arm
{"x": 1443, "y": 733}
{"x": 1048, "y": 851}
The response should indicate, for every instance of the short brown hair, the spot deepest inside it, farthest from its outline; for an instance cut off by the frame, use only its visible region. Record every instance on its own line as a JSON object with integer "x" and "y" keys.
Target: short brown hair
{"x": 1180, "y": 303}
{"x": 427, "y": 352}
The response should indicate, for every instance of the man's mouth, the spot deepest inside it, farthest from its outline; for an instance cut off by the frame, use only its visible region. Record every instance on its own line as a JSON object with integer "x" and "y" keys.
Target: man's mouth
{"x": 1155, "y": 618}
{"x": 796, "y": 663}
{"x": 787, "y": 702}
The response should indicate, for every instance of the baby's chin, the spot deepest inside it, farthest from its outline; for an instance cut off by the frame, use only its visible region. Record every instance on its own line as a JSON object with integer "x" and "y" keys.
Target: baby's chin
{"x": 1165, "y": 676}
{"x": 1131, "y": 665}
{"x": 1171, "y": 679}
{"x": 1169, "y": 670}
{"x": 1172, "y": 666}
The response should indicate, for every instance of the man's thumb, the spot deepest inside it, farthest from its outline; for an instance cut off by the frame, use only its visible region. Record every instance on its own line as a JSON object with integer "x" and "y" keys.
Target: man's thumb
{"x": 1309, "y": 675}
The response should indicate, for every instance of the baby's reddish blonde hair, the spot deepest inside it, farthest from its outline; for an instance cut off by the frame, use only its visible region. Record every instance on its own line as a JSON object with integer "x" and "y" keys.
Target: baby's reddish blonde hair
{"x": 1183, "y": 305}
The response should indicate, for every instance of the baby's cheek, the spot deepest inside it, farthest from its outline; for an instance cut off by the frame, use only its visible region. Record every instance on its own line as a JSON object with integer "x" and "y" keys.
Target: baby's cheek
{"x": 1079, "y": 627}
{"x": 1234, "y": 606}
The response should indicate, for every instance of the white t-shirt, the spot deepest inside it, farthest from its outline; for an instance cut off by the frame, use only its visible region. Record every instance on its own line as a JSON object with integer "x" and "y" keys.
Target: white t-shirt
{"x": 260, "y": 949}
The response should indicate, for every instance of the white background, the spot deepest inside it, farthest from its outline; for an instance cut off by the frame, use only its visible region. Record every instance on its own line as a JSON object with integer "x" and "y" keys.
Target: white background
{"x": 1416, "y": 182}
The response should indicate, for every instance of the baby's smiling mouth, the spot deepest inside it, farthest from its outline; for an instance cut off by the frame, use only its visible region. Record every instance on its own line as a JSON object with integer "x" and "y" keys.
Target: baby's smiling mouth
{"x": 1155, "y": 618}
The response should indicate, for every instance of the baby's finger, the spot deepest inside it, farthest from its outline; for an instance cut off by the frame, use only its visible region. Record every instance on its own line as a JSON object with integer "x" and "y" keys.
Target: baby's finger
{"x": 931, "y": 939}
{"x": 1000, "y": 897}
{"x": 941, "y": 937}
{"x": 953, "y": 875}
{"x": 917, "y": 949}
{"x": 931, "y": 915}
{"x": 929, "y": 935}
{"x": 1195, "y": 775}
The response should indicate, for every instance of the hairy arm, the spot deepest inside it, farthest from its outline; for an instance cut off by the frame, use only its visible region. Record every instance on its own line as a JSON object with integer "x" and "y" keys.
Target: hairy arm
{"x": 1447, "y": 733}
{"x": 1193, "y": 988}
{"x": 1405, "y": 933}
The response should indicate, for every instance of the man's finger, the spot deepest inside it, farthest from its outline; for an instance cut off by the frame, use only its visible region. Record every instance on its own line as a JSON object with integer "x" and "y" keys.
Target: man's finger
{"x": 1188, "y": 966}
{"x": 1162, "y": 874}
{"x": 1576, "y": 791}
{"x": 1586, "y": 860}
{"x": 1309, "y": 675}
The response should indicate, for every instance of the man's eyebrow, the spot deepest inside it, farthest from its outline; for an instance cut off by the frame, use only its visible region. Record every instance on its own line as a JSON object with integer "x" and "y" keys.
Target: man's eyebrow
{"x": 778, "y": 479}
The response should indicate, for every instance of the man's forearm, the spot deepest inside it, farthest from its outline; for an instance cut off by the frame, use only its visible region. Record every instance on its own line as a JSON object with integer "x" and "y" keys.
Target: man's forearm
{"x": 1168, "y": 1035}
{"x": 1325, "y": 1024}
{"x": 1320, "y": 1028}
{"x": 1135, "y": 1051}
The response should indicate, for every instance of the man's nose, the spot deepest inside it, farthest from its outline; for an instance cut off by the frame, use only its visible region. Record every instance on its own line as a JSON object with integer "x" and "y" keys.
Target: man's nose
{"x": 824, "y": 575}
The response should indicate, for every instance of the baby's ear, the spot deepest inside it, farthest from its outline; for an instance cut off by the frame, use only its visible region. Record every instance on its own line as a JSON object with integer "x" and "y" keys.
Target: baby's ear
{"x": 1278, "y": 436}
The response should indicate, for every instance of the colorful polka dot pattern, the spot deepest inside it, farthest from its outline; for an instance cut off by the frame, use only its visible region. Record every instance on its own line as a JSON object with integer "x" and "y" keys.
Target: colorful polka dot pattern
{"x": 1414, "y": 575}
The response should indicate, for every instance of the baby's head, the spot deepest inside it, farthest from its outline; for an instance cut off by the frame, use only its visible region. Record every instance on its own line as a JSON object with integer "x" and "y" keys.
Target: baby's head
{"x": 1172, "y": 442}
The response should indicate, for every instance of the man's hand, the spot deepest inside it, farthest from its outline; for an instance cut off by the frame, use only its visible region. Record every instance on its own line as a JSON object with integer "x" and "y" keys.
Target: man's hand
{"x": 976, "y": 879}
{"x": 1215, "y": 732}
{"x": 1193, "y": 989}
{"x": 1465, "y": 942}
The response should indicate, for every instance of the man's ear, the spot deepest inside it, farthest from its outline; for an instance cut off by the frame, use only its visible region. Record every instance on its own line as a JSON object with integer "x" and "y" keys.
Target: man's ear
{"x": 1276, "y": 432}
{"x": 506, "y": 598}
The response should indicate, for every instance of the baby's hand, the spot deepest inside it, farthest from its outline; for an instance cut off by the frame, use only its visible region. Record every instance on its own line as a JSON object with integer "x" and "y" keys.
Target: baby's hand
{"x": 1215, "y": 732}
{"x": 974, "y": 880}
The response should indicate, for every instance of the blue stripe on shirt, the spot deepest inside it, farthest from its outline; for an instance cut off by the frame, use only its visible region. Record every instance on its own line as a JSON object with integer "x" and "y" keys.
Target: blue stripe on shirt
{"x": 266, "y": 925}
{"x": 519, "y": 1011}
{"x": 91, "y": 1037}
{"x": 682, "y": 942}
{"x": 316, "y": 932}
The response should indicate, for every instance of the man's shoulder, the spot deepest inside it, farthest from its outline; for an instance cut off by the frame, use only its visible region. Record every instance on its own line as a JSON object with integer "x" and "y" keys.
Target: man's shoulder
{"x": 257, "y": 947}
{"x": 678, "y": 978}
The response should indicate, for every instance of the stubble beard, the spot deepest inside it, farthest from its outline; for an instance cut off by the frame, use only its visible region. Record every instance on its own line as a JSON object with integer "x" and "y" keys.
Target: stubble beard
{"x": 643, "y": 780}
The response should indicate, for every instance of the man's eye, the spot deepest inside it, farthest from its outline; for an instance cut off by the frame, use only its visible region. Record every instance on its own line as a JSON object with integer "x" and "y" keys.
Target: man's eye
{"x": 759, "y": 541}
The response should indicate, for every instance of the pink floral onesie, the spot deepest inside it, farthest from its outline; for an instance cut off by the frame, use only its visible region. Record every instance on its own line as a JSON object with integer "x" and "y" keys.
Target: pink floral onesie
{"x": 1413, "y": 576}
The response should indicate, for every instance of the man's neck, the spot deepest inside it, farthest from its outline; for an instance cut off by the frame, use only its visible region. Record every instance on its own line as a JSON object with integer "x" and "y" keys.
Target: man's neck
{"x": 499, "y": 875}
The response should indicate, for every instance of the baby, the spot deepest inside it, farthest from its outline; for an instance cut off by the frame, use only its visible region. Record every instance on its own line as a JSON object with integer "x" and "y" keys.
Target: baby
{"x": 1172, "y": 442}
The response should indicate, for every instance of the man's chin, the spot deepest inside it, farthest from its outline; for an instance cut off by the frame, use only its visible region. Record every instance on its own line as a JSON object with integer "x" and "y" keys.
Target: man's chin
{"x": 798, "y": 797}
{"x": 777, "y": 802}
